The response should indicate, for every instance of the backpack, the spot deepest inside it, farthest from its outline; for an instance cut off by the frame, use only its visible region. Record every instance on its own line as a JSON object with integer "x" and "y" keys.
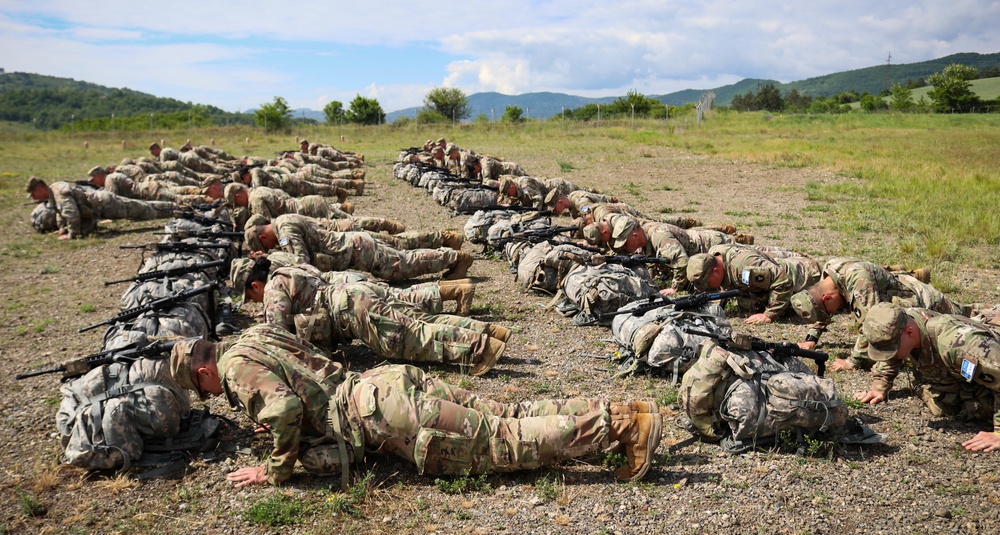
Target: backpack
{"x": 542, "y": 267}
{"x": 466, "y": 199}
{"x": 588, "y": 292}
{"x": 479, "y": 223}
{"x": 660, "y": 340}
{"x": 406, "y": 172}
{"x": 500, "y": 232}
{"x": 745, "y": 398}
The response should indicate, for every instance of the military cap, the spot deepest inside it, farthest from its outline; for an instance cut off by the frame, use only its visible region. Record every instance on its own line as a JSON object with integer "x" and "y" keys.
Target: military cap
{"x": 450, "y": 147}
{"x": 34, "y": 182}
{"x": 699, "y": 266}
{"x": 808, "y": 308}
{"x": 592, "y": 234}
{"x": 96, "y": 170}
{"x": 436, "y": 150}
{"x": 231, "y": 190}
{"x": 250, "y": 238}
{"x": 551, "y": 197}
{"x": 43, "y": 218}
{"x": 883, "y": 327}
{"x": 304, "y": 141}
{"x": 439, "y": 141}
{"x": 208, "y": 181}
{"x": 153, "y": 144}
{"x": 239, "y": 271}
{"x": 127, "y": 161}
{"x": 180, "y": 362}
{"x": 623, "y": 227}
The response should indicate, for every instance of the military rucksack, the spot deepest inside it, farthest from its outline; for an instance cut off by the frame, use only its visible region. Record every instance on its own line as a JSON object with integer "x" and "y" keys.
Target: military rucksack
{"x": 589, "y": 292}
{"x": 479, "y": 223}
{"x": 543, "y": 266}
{"x": 466, "y": 199}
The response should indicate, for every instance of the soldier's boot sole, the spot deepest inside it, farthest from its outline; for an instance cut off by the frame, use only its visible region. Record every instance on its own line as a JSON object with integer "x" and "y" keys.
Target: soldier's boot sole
{"x": 452, "y": 240}
{"x": 461, "y": 267}
{"x": 745, "y": 239}
{"x": 342, "y": 195}
{"x": 489, "y": 357}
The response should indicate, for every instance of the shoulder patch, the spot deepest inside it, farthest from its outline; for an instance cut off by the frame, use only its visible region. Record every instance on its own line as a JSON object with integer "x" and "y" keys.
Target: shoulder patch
{"x": 756, "y": 279}
{"x": 283, "y": 241}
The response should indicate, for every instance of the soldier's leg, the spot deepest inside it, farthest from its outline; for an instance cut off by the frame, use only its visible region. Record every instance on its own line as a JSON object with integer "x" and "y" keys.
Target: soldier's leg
{"x": 442, "y": 437}
{"x": 395, "y": 265}
{"x": 380, "y": 224}
{"x": 425, "y": 296}
{"x": 411, "y": 239}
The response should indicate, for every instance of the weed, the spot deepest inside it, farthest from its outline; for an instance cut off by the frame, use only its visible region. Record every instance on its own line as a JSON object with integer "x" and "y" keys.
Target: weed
{"x": 633, "y": 189}
{"x": 565, "y": 167}
{"x": 52, "y": 401}
{"x": 462, "y": 515}
{"x": 22, "y": 330}
{"x": 30, "y": 506}
{"x": 278, "y": 510}
{"x": 41, "y": 325}
{"x": 667, "y": 210}
{"x": 854, "y": 404}
{"x": 739, "y": 213}
{"x": 958, "y": 490}
{"x": 50, "y": 269}
{"x": 87, "y": 308}
{"x": 667, "y": 397}
{"x": 463, "y": 484}
{"x": 613, "y": 460}
{"x": 547, "y": 487}
{"x": 542, "y": 388}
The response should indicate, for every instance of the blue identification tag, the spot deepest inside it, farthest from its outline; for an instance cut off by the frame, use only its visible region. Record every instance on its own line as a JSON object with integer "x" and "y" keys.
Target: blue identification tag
{"x": 968, "y": 370}
{"x": 745, "y": 276}
{"x": 283, "y": 242}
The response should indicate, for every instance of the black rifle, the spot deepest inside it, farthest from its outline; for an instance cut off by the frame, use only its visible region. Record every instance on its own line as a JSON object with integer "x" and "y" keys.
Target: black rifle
{"x": 203, "y": 235}
{"x": 206, "y": 206}
{"x": 542, "y": 234}
{"x": 779, "y": 350}
{"x": 172, "y": 272}
{"x": 157, "y": 304}
{"x": 635, "y": 260}
{"x": 178, "y": 246}
{"x": 679, "y": 303}
{"x": 204, "y": 220}
{"x": 505, "y": 207}
{"x": 74, "y": 368}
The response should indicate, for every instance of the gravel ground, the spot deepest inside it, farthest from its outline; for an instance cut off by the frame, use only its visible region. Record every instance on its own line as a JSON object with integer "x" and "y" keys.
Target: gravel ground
{"x": 919, "y": 480}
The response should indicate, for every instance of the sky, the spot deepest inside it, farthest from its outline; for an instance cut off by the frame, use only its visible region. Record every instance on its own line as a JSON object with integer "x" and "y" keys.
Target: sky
{"x": 239, "y": 54}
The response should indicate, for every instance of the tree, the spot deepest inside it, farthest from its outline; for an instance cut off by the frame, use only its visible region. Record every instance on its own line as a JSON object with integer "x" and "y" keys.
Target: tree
{"x": 275, "y": 115}
{"x": 334, "y": 111}
{"x": 365, "y": 111}
{"x": 513, "y": 114}
{"x": 872, "y": 103}
{"x": 450, "y": 102}
{"x": 429, "y": 116}
{"x": 952, "y": 90}
{"x": 794, "y": 101}
{"x": 902, "y": 98}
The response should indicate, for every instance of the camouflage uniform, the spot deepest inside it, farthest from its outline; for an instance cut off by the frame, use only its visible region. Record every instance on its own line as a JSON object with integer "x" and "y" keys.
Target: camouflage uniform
{"x": 494, "y": 168}
{"x": 864, "y": 284}
{"x": 313, "y": 406}
{"x": 271, "y": 202}
{"x": 150, "y": 189}
{"x": 296, "y": 185}
{"x": 601, "y": 212}
{"x": 581, "y": 200}
{"x": 336, "y": 251}
{"x": 80, "y": 208}
{"x": 196, "y": 163}
{"x": 530, "y": 191}
{"x": 946, "y": 342}
{"x": 332, "y": 314}
{"x": 769, "y": 280}
{"x": 664, "y": 240}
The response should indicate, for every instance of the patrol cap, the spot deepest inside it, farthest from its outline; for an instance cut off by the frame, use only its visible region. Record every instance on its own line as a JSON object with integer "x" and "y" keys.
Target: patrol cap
{"x": 439, "y": 141}
{"x": 33, "y": 182}
{"x": 623, "y": 227}
{"x": 808, "y": 308}
{"x": 551, "y": 197}
{"x": 231, "y": 190}
{"x": 436, "y": 150}
{"x": 153, "y": 144}
{"x": 883, "y": 326}
{"x": 450, "y": 147}
{"x": 96, "y": 170}
{"x": 239, "y": 271}
{"x": 698, "y": 268}
{"x": 304, "y": 142}
{"x": 180, "y": 362}
{"x": 209, "y": 181}
{"x": 250, "y": 238}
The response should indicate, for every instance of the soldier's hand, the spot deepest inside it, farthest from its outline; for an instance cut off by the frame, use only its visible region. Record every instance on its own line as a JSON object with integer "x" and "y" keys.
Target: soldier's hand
{"x": 64, "y": 237}
{"x": 809, "y": 346}
{"x": 666, "y": 292}
{"x": 758, "y": 318}
{"x": 870, "y": 397}
{"x": 248, "y": 476}
{"x": 983, "y": 441}
{"x": 841, "y": 365}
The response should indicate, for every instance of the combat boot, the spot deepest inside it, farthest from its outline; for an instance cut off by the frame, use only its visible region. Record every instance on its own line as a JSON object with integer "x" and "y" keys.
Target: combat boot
{"x": 393, "y": 227}
{"x": 359, "y": 187}
{"x": 347, "y": 207}
{"x": 342, "y": 195}
{"x": 488, "y": 357}
{"x": 357, "y": 174}
{"x": 725, "y": 229}
{"x": 923, "y": 275}
{"x": 745, "y": 239}
{"x": 460, "y": 268}
{"x": 895, "y": 267}
{"x": 452, "y": 240}
{"x": 640, "y": 434}
{"x": 649, "y": 407}
{"x": 688, "y": 222}
{"x": 460, "y": 291}
{"x": 499, "y": 332}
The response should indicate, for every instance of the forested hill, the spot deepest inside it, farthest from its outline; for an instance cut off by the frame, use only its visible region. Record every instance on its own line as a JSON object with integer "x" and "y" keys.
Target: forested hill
{"x": 51, "y": 102}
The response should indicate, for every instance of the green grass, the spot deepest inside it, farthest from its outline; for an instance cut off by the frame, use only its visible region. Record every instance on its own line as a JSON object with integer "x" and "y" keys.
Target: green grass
{"x": 565, "y": 167}
{"x": 278, "y": 510}
{"x": 30, "y": 505}
{"x": 461, "y": 485}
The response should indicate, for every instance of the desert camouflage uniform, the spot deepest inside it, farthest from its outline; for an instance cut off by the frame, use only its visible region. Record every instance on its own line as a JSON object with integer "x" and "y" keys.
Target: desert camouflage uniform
{"x": 168, "y": 155}
{"x": 151, "y": 189}
{"x": 196, "y": 163}
{"x": 311, "y": 403}
{"x": 946, "y": 341}
{"x": 271, "y": 202}
{"x": 769, "y": 280}
{"x": 332, "y": 314}
{"x": 601, "y": 212}
{"x": 564, "y": 186}
{"x": 864, "y": 284}
{"x": 337, "y": 251}
{"x": 80, "y": 208}
{"x": 212, "y": 154}
{"x": 307, "y": 159}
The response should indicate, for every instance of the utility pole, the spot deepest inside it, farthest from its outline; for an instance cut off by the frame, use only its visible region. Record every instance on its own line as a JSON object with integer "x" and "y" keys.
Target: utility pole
{"x": 888, "y": 68}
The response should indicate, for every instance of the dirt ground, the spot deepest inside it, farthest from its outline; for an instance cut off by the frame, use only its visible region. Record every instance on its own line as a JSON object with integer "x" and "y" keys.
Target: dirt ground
{"x": 919, "y": 481}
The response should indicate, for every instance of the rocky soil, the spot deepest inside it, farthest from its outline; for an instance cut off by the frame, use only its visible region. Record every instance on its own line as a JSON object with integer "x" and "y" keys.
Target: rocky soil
{"x": 919, "y": 481}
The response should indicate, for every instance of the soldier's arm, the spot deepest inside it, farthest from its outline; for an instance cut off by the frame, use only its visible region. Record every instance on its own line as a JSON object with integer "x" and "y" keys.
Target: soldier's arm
{"x": 278, "y": 308}
{"x": 779, "y": 300}
{"x": 271, "y": 403}
{"x": 292, "y": 241}
{"x": 69, "y": 215}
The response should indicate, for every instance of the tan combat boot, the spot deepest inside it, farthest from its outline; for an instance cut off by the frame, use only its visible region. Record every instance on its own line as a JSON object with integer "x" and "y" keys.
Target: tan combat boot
{"x": 745, "y": 239}
{"x": 499, "y": 332}
{"x": 357, "y": 174}
{"x": 393, "y": 227}
{"x": 895, "y": 267}
{"x": 488, "y": 357}
{"x": 725, "y": 229}
{"x": 688, "y": 222}
{"x": 640, "y": 434}
{"x": 342, "y": 195}
{"x": 359, "y": 187}
{"x": 644, "y": 406}
{"x": 452, "y": 240}
{"x": 347, "y": 207}
{"x": 460, "y": 291}
{"x": 460, "y": 268}
{"x": 923, "y": 275}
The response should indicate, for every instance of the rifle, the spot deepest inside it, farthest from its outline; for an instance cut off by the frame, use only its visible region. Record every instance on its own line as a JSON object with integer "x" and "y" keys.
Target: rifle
{"x": 679, "y": 303}
{"x": 635, "y": 260}
{"x": 178, "y": 246}
{"x": 207, "y": 206}
{"x": 74, "y": 368}
{"x": 202, "y": 234}
{"x": 505, "y": 207}
{"x": 779, "y": 350}
{"x": 204, "y": 220}
{"x": 172, "y": 272}
{"x": 541, "y": 234}
{"x": 157, "y": 304}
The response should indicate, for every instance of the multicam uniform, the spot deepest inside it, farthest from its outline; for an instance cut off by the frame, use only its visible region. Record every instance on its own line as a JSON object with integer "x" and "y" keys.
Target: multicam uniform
{"x": 864, "y": 284}
{"x": 79, "y": 208}
{"x": 271, "y": 203}
{"x": 330, "y": 314}
{"x": 297, "y": 185}
{"x": 312, "y": 406}
{"x": 769, "y": 280}
{"x": 664, "y": 240}
{"x": 581, "y": 200}
{"x": 531, "y": 191}
{"x": 946, "y": 341}
{"x": 493, "y": 168}
{"x": 601, "y": 211}
{"x": 336, "y": 251}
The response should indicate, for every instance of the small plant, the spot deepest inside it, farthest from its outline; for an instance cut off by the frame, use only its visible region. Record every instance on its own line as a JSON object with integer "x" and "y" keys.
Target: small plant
{"x": 547, "y": 487}
{"x": 87, "y": 308}
{"x": 30, "y": 506}
{"x": 50, "y": 269}
{"x": 460, "y": 485}
{"x": 667, "y": 210}
{"x": 668, "y": 397}
{"x": 41, "y": 326}
{"x": 565, "y": 167}
{"x": 613, "y": 460}
{"x": 633, "y": 189}
{"x": 278, "y": 510}
{"x": 855, "y": 404}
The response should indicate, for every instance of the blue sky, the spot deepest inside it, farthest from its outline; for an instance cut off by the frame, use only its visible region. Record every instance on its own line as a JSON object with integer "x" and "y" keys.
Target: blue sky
{"x": 236, "y": 55}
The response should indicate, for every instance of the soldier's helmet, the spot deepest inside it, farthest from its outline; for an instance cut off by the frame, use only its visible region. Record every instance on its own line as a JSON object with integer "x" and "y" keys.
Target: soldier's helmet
{"x": 43, "y": 218}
